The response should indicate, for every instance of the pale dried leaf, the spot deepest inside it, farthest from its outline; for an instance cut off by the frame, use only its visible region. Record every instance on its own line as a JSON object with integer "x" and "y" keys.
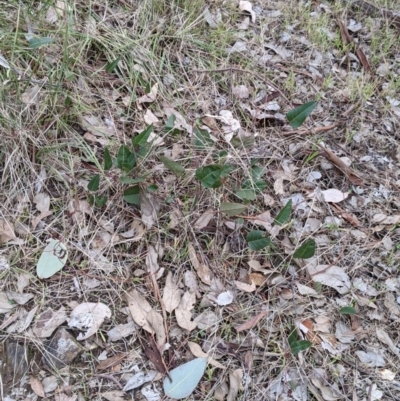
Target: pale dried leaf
{"x": 42, "y": 201}
{"x": 151, "y": 260}
{"x": 37, "y": 386}
{"x": 343, "y": 333}
{"x": 193, "y": 257}
{"x": 387, "y": 374}
{"x": 115, "y": 395}
{"x": 249, "y": 324}
{"x": 150, "y": 118}
{"x": 31, "y": 95}
{"x": 332, "y": 276}
{"x": 120, "y": 331}
{"x": 171, "y": 294}
{"x": 304, "y": 290}
{"x": 150, "y": 393}
{"x": 5, "y": 304}
{"x": 241, "y": 91}
{"x": 333, "y": 195}
{"x": 204, "y": 219}
{"x": 245, "y": 287}
{"x": 6, "y": 231}
{"x": 371, "y": 359}
{"x": 20, "y": 299}
{"x": 88, "y": 316}
{"x": 196, "y": 350}
{"x": 235, "y": 384}
{"x": 139, "y": 308}
{"x": 207, "y": 319}
{"x": 204, "y": 274}
{"x": 149, "y": 206}
{"x": 51, "y": 15}
{"x": 385, "y": 338}
{"x": 381, "y": 218}
{"x": 190, "y": 281}
{"x": 183, "y": 311}
{"x": 138, "y": 379}
{"x": 23, "y": 281}
{"x": 48, "y": 321}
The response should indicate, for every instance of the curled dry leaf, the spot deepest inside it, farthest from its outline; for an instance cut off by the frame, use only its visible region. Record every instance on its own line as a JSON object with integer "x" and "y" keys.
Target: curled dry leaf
{"x": 183, "y": 312}
{"x": 196, "y": 350}
{"x": 247, "y": 6}
{"x": 151, "y": 96}
{"x": 88, "y": 316}
{"x": 171, "y": 294}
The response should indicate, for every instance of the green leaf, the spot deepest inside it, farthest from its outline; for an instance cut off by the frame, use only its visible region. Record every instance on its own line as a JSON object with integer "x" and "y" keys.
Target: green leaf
{"x": 107, "y": 160}
{"x": 141, "y": 139}
{"x": 306, "y": 251}
{"x": 292, "y": 336}
{"x": 184, "y": 378}
{"x": 52, "y": 260}
{"x": 169, "y": 125}
{"x": 94, "y": 183}
{"x": 68, "y": 101}
{"x": 297, "y": 116}
{"x": 110, "y": 67}
{"x": 132, "y": 195}
{"x": 300, "y": 345}
{"x": 210, "y": 176}
{"x": 257, "y": 240}
{"x": 284, "y": 215}
{"x": 246, "y": 194}
{"x": 172, "y": 165}
{"x": 317, "y": 286}
{"x": 202, "y": 139}
{"x": 152, "y": 188}
{"x": 129, "y": 180}
{"x": 232, "y": 209}
{"x": 347, "y": 310}
{"x": 100, "y": 200}
{"x": 242, "y": 141}
{"x": 35, "y": 43}
{"x": 126, "y": 160}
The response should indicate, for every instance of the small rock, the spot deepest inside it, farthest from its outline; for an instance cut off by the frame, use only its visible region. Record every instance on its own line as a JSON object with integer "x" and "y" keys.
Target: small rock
{"x": 61, "y": 350}
{"x": 49, "y": 384}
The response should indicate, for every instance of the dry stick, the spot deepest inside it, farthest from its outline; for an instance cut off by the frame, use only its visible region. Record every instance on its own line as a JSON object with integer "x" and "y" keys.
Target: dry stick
{"x": 248, "y": 72}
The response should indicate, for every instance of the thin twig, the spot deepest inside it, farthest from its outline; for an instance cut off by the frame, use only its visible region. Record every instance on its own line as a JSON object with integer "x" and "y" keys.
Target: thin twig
{"x": 109, "y": 377}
